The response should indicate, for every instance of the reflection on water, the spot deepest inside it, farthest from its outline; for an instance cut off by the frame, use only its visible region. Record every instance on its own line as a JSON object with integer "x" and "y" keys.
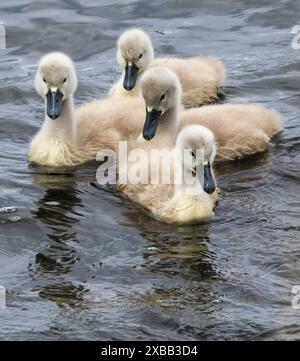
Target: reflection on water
{"x": 57, "y": 257}
{"x": 80, "y": 262}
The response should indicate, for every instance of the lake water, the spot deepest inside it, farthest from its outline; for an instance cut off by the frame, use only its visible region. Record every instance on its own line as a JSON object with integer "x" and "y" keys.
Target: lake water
{"x": 78, "y": 262}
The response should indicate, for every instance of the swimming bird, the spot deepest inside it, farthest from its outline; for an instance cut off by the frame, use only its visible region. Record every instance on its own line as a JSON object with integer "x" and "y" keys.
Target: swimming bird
{"x": 191, "y": 194}
{"x": 240, "y": 129}
{"x": 72, "y": 136}
{"x": 201, "y": 78}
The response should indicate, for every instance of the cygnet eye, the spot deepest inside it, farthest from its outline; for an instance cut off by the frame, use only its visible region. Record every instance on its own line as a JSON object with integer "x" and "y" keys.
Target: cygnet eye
{"x": 162, "y": 97}
{"x": 44, "y": 80}
{"x": 64, "y": 80}
{"x": 193, "y": 154}
{"x": 141, "y": 55}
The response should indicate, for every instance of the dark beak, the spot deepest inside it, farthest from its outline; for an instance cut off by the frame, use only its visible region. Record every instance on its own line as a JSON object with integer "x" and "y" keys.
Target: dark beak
{"x": 131, "y": 74}
{"x": 54, "y": 103}
{"x": 151, "y": 123}
{"x": 209, "y": 182}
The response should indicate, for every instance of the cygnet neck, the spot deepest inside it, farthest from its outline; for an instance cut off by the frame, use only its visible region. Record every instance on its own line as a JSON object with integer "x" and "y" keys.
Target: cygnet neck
{"x": 62, "y": 127}
{"x": 168, "y": 125}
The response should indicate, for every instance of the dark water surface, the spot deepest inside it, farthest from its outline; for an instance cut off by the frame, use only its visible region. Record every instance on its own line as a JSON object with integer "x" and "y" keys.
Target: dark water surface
{"x": 80, "y": 263}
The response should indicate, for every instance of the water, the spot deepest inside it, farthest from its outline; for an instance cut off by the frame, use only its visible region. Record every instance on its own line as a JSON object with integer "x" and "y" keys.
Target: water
{"x": 78, "y": 262}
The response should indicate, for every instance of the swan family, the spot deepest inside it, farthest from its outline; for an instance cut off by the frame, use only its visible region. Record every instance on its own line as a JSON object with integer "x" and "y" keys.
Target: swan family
{"x": 168, "y": 105}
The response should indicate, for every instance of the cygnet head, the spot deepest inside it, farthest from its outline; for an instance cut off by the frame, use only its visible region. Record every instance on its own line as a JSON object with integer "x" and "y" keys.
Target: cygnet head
{"x": 197, "y": 146}
{"x": 161, "y": 90}
{"x": 55, "y": 81}
{"x": 135, "y": 53}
